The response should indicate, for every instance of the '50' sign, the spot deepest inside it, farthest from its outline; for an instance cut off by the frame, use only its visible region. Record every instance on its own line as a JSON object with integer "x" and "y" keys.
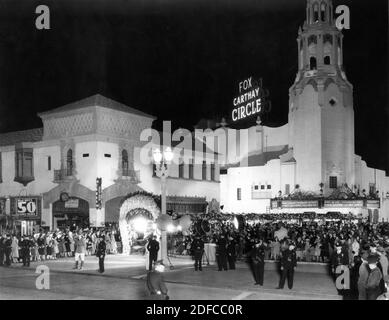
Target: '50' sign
{"x": 27, "y": 206}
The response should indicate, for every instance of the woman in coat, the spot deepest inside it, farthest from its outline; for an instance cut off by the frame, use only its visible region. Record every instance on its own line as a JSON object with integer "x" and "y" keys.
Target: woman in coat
{"x": 15, "y": 249}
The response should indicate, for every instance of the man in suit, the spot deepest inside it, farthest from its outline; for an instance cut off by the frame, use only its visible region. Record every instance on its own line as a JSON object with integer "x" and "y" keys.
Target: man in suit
{"x": 25, "y": 245}
{"x": 258, "y": 259}
{"x": 221, "y": 253}
{"x": 2, "y": 250}
{"x": 288, "y": 263}
{"x": 231, "y": 252}
{"x": 198, "y": 249}
{"x": 153, "y": 248}
{"x": 100, "y": 252}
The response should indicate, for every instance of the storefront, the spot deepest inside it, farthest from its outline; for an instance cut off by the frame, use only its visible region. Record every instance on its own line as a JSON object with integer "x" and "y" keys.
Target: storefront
{"x": 71, "y": 212}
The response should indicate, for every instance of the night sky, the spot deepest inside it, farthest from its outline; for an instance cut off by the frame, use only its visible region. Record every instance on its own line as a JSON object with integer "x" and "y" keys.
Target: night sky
{"x": 182, "y": 60}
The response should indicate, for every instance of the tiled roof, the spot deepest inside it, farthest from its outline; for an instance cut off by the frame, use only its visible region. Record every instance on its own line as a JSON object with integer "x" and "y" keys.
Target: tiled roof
{"x": 97, "y": 100}
{"x": 11, "y": 138}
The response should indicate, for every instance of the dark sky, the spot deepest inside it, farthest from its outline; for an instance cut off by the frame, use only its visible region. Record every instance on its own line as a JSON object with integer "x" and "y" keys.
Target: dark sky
{"x": 182, "y": 60}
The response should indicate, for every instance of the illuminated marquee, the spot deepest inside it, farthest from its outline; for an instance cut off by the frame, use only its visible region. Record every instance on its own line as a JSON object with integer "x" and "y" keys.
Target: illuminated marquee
{"x": 251, "y": 100}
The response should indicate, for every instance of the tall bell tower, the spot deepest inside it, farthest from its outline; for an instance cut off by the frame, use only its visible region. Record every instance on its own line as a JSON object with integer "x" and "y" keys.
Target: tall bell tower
{"x": 321, "y": 115}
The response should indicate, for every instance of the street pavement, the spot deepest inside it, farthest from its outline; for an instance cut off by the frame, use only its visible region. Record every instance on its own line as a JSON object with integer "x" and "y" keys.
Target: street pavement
{"x": 125, "y": 279}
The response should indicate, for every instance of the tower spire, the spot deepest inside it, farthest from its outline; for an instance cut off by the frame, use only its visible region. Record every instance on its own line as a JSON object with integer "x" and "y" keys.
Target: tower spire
{"x": 320, "y": 43}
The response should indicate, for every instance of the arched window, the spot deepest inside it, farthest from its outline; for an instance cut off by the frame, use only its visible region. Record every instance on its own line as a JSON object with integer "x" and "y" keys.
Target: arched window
{"x": 323, "y": 8}
{"x": 315, "y": 12}
{"x": 312, "y": 39}
{"x": 327, "y": 38}
{"x": 125, "y": 162}
{"x": 312, "y": 63}
{"x": 327, "y": 60}
{"x": 69, "y": 162}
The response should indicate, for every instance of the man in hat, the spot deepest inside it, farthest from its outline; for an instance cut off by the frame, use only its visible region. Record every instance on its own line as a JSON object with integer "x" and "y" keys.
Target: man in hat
{"x": 153, "y": 248}
{"x": 339, "y": 258}
{"x": 8, "y": 250}
{"x": 100, "y": 252}
{"x": 221, "y": 253}
{"x": 198, "y": 249}
{"x": 384, "y": 263}
{"x": 231, "y": 252}
{"x": 155, "y": 283}
{"x": 288, "y": 263}
{"x": 373, "y": 289}
{"x": 2, "y": 249}
{"x": 363, "y": 275}
{"x": 258, "y": 259}
{"x": 25, "y": 245}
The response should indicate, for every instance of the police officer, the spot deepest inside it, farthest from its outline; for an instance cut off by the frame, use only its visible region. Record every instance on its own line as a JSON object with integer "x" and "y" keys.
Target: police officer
{"x": 257, "y": 255}
{"x": 153, "y": 248}
{"x": 339, "y": 258}
{"x": 2, "y": 250}
{"x": 8, "y": 250}
{"x": 25, "y": 245}
{"x": 100, "y": 252}
{"x": 221, "y": 253}
{"x": 288, "y": 263}
{"x": 198, "y": 249}
{"x": 231, "y": 253}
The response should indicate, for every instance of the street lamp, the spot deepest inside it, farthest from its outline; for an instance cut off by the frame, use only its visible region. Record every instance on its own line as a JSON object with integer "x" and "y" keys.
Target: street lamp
{"x": 162, "y": 160}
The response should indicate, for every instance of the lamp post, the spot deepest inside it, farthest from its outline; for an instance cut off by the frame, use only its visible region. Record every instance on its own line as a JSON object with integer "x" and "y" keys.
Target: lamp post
{"x": 162, "y": 160}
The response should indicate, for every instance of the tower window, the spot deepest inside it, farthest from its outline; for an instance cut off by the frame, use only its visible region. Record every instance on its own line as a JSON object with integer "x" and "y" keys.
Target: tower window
{"x": 204, "y": 171}
{"x": 332, "y": 102}
{"x": 316, "y": 13}
{"x": 312, "y": 39}
{"x": 69, "y": 162}
{"x": 327, "y": 60}
{"x": 125, "y": 163}
{"x": 323, "y": 12}
{"x": 191, "y": 169}
{"x": 327, "y": 38}
{"x": 238, "y": 194}
{"x": 181, "y": 169}
{"x": 312, "y": 63}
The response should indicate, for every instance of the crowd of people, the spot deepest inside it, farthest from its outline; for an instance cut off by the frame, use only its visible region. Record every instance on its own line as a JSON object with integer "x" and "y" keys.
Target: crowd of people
{"x": 360, "y": 247}
{"x": 52, "y": 245}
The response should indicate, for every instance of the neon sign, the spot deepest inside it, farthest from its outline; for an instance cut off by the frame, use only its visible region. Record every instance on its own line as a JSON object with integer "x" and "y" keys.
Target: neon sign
{"x": 251, "y": 101}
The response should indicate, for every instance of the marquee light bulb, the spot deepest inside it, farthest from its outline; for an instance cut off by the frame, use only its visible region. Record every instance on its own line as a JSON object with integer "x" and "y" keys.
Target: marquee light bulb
{"x": 157, "y": 155}
{"x": 168, "y": 154}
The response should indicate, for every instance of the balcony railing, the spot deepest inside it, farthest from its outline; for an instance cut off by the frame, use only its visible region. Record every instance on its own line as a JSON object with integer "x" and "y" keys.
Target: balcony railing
{"x": 132, "y": 175}
{"x": 62, "y": 174}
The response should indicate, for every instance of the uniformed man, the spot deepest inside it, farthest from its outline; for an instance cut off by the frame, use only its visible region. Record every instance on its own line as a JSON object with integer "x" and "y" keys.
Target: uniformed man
{"x": 8, "y": 250}
{"x": 339, "y": 258}
{"x": 25, "y": 245}
{"x": 258, "y": 260}
{"x": 288, "y": 263}
{"x": 221, "y": 253}
{"x": 2, "y": 250}
{"x": 198, "y": 249}
{"x": 153, "y": 248}
{"x": 100, "y": 252}
{"x": 155, "y": 284}
{"x": 231, "y": 253}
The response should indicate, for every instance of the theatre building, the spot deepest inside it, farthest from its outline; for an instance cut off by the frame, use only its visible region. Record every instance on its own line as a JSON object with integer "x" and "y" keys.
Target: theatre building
{"x": 50, "y": 176}
{"x": 308, "y": 164}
